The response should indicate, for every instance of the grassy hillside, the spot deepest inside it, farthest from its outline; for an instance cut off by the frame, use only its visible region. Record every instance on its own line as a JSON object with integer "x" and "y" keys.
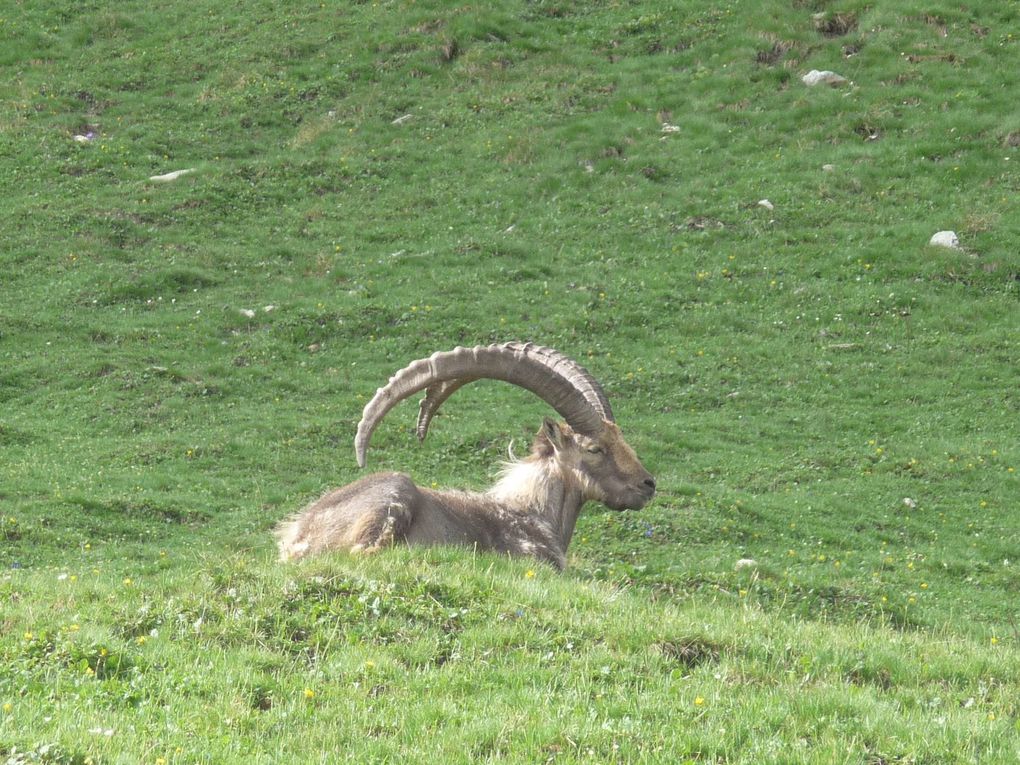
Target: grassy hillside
{"x": 815, "y": 387}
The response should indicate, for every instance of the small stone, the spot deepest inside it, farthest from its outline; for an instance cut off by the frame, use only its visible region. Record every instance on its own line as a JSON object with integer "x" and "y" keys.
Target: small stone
{"x": 912, "y": 504}
{"x": 766, "y": 204}
{"x": 945, "y": 239}
{"x": 745, "y": 563}
{"x": 248, "y": 313}
{"x": 816, "y": 77}
{"x": 269, "y": 308}
{"x": 829, "y": 168}
{"x": 401, "y": 120}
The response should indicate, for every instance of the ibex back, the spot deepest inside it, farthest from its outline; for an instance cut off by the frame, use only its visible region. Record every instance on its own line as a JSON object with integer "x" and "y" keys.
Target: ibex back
{"x": 534, "y": 506}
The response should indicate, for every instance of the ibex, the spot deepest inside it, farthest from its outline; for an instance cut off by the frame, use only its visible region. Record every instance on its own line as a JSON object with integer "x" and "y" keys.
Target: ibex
{"x": 534, "y": 506}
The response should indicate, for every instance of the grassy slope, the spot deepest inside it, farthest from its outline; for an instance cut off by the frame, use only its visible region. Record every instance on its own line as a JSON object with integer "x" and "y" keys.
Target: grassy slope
{"x": 791, "y": 376}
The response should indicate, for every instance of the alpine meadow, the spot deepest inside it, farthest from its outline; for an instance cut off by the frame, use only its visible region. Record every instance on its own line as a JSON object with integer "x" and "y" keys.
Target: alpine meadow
{"x": 226, "y": 224}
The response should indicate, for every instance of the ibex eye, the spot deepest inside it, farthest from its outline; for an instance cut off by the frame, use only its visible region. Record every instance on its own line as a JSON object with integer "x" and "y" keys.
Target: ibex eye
{"x": 595, "y": 450}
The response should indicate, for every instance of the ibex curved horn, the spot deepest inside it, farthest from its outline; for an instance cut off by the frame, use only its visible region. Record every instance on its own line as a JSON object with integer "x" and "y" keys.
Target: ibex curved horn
{"x": 558, "y": 380}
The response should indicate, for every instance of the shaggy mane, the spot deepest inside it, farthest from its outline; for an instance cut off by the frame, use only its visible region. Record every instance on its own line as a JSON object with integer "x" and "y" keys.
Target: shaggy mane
{"x": 526, "y": 483}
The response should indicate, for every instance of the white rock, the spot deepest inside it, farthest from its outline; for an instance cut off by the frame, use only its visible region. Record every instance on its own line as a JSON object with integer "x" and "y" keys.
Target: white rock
{"x": 667, "y": 128}
{"x": 829, "y": 168}
{"x": 171, "y": 176}
{"x": 766, "y": 204}
{"x": 402, "y": 120}
{"x": 910, "y": 502}
{"x": 248, "y": 313}
{"x": 815, "y": 77}
{"x": 745, "y": 563}
{"x": 269, "y": 308}
{"x": 945, "y": 239}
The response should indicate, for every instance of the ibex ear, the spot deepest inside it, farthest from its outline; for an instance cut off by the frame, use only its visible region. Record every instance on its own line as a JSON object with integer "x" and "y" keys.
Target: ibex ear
{"x": 552, "y": 431}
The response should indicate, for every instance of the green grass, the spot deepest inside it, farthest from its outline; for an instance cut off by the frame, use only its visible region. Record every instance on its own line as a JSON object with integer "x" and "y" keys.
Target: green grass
{"x": 439, "y": 655}
{"x": 791, "y": 377}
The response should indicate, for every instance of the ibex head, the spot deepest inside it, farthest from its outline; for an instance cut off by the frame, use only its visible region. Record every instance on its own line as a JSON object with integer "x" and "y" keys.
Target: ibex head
{"x": 603, "y": 464}
{"x": 589, "y": 445}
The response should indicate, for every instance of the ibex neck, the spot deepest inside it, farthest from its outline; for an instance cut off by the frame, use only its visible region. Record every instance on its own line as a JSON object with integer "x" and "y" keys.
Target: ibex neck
{"x": 535, "y": 486}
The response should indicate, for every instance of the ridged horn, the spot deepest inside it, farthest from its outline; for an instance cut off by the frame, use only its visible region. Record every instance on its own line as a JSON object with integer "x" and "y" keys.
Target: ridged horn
{"x": 556, "y": 379}
{"x": 434, "y": 397}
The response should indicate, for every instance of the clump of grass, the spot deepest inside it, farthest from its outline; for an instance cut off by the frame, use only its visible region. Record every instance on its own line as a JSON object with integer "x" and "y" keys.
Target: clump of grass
{"x": 835, "y": 24}
{"x": 690, "y": 652}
